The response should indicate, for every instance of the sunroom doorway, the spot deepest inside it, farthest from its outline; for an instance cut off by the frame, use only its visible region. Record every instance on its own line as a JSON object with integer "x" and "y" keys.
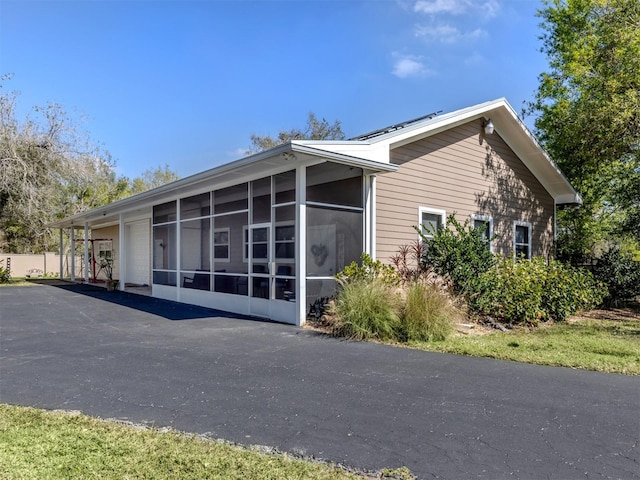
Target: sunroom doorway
{"x": 270, "y": 246}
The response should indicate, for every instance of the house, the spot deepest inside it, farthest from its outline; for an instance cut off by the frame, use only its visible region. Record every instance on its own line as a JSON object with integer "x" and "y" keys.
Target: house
{"x": 265, "y": 235}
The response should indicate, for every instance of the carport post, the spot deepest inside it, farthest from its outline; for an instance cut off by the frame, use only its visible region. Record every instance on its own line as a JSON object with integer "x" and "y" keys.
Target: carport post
{"x": 61, "y": 252}
{"x": 301, "y": 247}
{"x": 73, "y": 253}
{"x": 86, "y": 252}
{"x": 121, "y": 259}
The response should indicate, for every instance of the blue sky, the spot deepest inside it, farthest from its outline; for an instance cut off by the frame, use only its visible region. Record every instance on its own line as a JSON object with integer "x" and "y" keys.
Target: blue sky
{"x": 185, "y": 83}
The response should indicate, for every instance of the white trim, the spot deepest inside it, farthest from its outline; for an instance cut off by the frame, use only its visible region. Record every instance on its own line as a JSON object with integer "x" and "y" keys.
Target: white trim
{"x": 484, "y": 218}
{"x": 372, "y": 226}
{"x": 431, "y": 211}
{"x": 518, "y": 223}
{"x": 301, "y": 244}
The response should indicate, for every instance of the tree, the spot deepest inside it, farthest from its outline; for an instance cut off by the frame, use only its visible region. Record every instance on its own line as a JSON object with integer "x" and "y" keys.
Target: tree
{"x": 152, "y": 178}
{"x": 314, "y": 130}
{"x": 589, "y": 116}
{"x": 49, "y": 169}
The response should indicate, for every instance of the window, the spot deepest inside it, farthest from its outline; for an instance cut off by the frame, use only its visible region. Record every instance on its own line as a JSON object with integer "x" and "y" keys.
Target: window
{"x": 221, "y": 245}
{"x": 484, "y": 223}
{"x": 522, "y": 239}
{"x": 431, "y": 219}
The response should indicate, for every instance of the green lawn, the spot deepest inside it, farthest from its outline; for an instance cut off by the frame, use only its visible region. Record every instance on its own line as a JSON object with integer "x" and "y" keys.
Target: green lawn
{"x": 589, "y": 344}
{"x": 18, "y": 282}
{"x": 35, "y": 444}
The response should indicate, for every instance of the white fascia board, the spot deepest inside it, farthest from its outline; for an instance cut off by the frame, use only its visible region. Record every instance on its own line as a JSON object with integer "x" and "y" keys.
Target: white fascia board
{"x": 151, "y": 196}
{"x": 355, "y": 148}
{"x": 510, "y": 128}
{"x": 438, "y": 124}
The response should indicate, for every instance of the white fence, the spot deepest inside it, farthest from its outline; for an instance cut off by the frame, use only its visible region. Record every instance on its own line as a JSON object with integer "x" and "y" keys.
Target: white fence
{"x": 45, "y": 264}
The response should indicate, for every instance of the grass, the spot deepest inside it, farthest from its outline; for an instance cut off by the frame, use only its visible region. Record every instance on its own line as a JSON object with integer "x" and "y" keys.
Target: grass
{"x": 36, "y": 444}
{"x": 18, "y": 282}
{"x": 428, "y": 314}
{"x": 601, "y": 345}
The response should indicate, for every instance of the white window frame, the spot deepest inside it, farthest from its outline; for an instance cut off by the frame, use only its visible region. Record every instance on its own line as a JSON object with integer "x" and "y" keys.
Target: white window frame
{"x": 518, "y": 223}
{"x": 485, "y": 218}
{"x": 228, "y": 245}
{"x": 431, "y": 211}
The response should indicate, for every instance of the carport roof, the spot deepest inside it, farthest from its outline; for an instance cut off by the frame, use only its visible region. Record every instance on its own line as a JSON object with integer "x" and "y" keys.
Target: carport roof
{"x": 247, "y": 168}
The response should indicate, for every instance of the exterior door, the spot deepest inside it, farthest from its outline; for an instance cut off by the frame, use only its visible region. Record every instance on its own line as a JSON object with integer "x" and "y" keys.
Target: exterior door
{"x": 260, "y": 275}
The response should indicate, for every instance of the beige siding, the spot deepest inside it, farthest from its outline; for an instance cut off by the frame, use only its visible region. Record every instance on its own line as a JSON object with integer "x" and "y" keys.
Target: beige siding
{"x": 462, "y": 173}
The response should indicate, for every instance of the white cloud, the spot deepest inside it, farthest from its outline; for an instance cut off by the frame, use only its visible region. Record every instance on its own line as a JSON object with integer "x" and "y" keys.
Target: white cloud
{"x": 490, "y": 8}
{"x": 486, "y": 8}
{"x": 447, "y": 33}
{"x": 433, "y": 7}
{"x": 410, "y": 66}
{"x": 238, "y": 152}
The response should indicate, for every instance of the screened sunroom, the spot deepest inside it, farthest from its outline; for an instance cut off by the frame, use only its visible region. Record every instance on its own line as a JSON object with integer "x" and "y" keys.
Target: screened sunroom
{"x": 258, "y": 247}
{"x": 262, "y": 236}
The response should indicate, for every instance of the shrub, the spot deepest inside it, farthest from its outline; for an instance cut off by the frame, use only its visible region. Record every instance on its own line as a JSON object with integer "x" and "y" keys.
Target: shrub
{"x": 408, "y": 264}
{"x": 5, "y": 274}
{"x": 428, "y": 313}
{"x": 368, "y": 270}
{"x": 520, "y": 291}
{"x": 568, "y": 290}
{"x": 620, "y": 273}
{"x": 366, "y": 309}
{"x": 459, "y": 251}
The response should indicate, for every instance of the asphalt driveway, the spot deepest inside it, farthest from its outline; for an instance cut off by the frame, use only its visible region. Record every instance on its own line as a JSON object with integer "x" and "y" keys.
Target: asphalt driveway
{"x": 117, "y": 355}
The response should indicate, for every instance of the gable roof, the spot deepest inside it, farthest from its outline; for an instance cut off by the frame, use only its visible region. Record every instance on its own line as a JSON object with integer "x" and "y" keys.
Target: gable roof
{"x": 370, "y": 151}
{"x": 378, "y": 144}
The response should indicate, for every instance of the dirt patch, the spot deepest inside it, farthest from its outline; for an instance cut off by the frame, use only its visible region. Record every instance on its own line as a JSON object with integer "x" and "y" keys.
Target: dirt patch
{"x": 631, "y": 313}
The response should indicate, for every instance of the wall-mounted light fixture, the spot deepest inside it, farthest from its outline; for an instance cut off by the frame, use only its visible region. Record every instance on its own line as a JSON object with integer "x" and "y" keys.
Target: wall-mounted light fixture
{"x": 488, "y": 127}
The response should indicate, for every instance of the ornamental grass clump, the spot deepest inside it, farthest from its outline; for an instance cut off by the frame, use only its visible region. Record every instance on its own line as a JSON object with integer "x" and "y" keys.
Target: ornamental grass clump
{"x": 374, "y": 302}
{"x": 428, "y": 313}
{"x": 366, "y": 309}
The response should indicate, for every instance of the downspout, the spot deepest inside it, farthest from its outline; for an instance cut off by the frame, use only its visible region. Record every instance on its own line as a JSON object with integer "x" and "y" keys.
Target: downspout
{"x": 555, "y": 228}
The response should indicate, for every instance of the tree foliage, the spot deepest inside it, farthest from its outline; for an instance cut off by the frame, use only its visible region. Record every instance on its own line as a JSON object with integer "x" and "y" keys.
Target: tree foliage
{"x": 152, "y": 178}
{"x": 315, "y": 129}
{"x": 589, "y": 115}
{"x": 50, "y": 169}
